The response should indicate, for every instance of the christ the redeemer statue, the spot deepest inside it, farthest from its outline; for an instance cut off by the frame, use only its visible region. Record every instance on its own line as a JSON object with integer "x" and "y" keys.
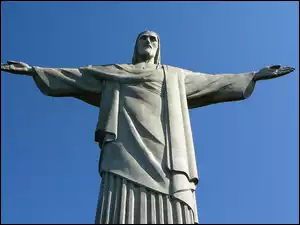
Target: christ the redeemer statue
{"x": 147, "y": 160}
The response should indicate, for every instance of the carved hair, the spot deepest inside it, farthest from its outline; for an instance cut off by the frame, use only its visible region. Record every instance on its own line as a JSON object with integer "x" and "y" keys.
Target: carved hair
{"x": 135, "y": 58}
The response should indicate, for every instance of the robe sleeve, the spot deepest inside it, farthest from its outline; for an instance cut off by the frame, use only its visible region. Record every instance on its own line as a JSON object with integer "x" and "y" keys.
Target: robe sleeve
{"x": 62, "y": 82}
{"x": 205, "y": 89}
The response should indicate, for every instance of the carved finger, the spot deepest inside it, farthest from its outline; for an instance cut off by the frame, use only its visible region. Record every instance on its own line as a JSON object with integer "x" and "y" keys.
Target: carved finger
{"x": 286, "y": 70}
{"x": 4, "y": 66}
{"x": 14, "y": 62}
{"x": 9, "y": 62}
{"x": 290, "y": 68}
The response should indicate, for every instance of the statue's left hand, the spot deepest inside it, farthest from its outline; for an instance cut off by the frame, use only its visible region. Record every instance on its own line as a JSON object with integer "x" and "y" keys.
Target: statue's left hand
{"x": 270, "y": 72}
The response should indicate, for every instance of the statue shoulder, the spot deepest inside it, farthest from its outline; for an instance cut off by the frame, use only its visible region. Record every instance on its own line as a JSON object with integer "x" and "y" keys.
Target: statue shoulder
{"x": 102, "y": 66}
{"x": 125, "y": 66}
{"x": 109, "y": 67}
{"x": 177, "y": 69}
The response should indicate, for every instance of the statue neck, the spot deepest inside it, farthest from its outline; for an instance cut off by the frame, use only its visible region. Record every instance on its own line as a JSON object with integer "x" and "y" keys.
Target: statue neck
{"x": 145, "y": 65}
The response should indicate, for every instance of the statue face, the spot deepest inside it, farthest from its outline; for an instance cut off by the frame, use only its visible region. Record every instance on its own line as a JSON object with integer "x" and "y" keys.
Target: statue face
{"x": 147, "y": 45}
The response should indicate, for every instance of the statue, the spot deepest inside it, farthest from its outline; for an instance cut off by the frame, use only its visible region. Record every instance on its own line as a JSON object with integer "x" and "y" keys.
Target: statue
{"x": 147, "y": 160}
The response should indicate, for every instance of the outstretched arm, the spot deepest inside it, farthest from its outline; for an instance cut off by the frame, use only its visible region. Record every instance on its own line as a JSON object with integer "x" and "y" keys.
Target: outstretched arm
{"x": 204, "y": 89}
{"x": 61, "y": 82}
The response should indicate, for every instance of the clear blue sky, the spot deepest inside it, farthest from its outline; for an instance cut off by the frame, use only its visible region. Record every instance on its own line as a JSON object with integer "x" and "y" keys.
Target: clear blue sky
{"x": 247, "y": 151}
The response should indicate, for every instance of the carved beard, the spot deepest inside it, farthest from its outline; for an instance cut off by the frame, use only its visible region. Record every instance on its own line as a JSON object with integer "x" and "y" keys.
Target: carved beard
{"x": 145, "y": 57}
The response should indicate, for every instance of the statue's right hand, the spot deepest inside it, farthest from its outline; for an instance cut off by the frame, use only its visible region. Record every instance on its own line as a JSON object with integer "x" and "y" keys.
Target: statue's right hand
{"x": 16, "y": 67}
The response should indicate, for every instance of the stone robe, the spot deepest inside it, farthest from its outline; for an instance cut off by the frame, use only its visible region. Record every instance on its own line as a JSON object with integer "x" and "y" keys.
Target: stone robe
{"x": 144, "y": 127}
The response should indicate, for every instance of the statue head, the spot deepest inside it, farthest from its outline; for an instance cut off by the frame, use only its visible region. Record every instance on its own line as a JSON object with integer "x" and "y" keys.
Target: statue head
{"x": 147, "y": 46}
